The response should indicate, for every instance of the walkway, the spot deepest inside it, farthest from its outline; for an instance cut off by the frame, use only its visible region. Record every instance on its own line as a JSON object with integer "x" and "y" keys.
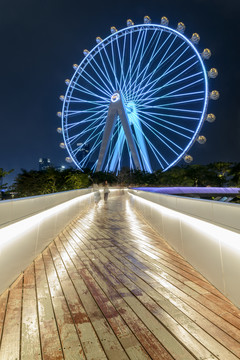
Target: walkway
{"x": 109, "y": 287}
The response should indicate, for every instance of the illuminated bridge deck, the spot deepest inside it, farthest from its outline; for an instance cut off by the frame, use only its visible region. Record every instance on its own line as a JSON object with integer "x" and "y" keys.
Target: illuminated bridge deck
{"x": 109, "y": 287}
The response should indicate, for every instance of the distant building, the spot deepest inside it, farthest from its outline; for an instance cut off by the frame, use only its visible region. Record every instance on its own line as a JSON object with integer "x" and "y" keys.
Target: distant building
{"x": 44, "y": 164}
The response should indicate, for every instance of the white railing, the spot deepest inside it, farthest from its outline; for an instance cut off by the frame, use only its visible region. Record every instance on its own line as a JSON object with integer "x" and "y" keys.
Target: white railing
{"x": 28, "y": 225}
{"x": 206, "y": 233}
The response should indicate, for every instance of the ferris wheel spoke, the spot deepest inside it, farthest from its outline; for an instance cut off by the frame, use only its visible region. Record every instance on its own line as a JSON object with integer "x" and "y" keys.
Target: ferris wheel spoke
{"x": 169, "y": 70}
{"x": 170, "y": 82}
{"x": 121, "y": 60}
{"x": 174, "y": 95}
{"x": 145, "y": 50}
{"x": 100, "y": 103}
{"x": 79, "y": 112}
{"x": 96, "y": 144}
{"x": 166, "y": 140}
{"x": 84, "y": 120}
{"x": 114, "y": 67}
{"x": 146, "y": 111}
{"x": 160, "y": 125}
{"x": 175, "y": 92}
{"x": 91, "y": 137}
{"x": 105, "y": 76}
{"x": 129, "y": 74}
{"x": 111, "y": 66}
{"x": 181, "y": 102}
{"x": 160, "y": 120}
{"x": 105, "y": 69}
{"x": 155, "y": 52}
{"x": 156, "y": 152}
{"x": 86, "y": 91}
{"x": 147, "y": 78}
{"x": 96, "y": 85}
{"x": 94, "y": 120}
{"x": 101, "y": 89}
{"x": 73, "y": 139}
{"x": 156, "y": 133}
{"x": 134, "y": 55}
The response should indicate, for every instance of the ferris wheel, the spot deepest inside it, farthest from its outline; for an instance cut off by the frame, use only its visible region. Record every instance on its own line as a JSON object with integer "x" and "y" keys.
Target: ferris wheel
{"x": 137, "y": 99}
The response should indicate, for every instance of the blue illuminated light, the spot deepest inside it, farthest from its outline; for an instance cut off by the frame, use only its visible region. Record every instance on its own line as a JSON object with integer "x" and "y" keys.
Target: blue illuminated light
{"x": 163, "y": 85}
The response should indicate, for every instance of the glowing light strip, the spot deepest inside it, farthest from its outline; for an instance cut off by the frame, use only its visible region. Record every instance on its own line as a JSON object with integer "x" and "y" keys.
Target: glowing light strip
{"x": 12, "y": 232}
{"x": 229, "y": 238}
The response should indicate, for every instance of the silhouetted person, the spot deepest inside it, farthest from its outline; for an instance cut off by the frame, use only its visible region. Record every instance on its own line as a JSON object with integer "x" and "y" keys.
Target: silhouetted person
{"x": 106, "y": 191}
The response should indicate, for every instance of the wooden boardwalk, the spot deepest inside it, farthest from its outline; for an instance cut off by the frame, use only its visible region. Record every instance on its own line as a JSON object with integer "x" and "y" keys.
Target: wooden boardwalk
{"x": 109, "y": 287}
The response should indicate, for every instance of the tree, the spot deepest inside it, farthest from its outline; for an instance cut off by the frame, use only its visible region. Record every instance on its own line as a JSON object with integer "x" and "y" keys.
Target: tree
{"x": 222, "y": 171}
{"x": 235, "y": 174}
{"x": 4, "y": 173}
{"x": 100, "y": 176}
{"x": 76, "y": 180}
{"x": 31, "y": 183}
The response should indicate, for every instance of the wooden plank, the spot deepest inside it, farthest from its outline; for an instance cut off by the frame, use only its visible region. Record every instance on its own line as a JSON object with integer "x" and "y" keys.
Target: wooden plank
{"x": 3, "y": 308}
{"x": 10, "y": 346}
{"x": 68, "y": 334}
{"x": 148, "y": 341}
{"x": 30, "y": 337}
{"x": 173, "y": 278}
{"x": 189, "y": 322}
{"x": 105, "y": 334}
{"x": 215, "y": 319}
{"x": 81, "y": 320}
{"x": 108, "y": 340}
{"x": 50, "y": 342}
{"x": 161, "y": 334}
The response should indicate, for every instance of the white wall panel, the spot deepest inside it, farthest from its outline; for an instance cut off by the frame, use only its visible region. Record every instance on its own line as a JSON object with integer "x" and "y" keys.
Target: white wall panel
{"x": 23, "y": 239}
{"x": 205, "y": 233}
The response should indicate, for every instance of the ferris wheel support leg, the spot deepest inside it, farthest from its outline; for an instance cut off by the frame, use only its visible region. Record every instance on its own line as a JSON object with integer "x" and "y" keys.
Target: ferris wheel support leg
{"x": 117, "y": 109}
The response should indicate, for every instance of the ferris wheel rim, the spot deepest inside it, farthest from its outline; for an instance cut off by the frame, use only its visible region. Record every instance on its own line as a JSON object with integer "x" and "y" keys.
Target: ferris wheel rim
{"x": 124, "y": 32}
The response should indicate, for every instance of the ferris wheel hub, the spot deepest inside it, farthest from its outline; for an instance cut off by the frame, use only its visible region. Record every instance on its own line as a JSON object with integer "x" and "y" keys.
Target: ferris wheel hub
{"x": 115, "y": 97}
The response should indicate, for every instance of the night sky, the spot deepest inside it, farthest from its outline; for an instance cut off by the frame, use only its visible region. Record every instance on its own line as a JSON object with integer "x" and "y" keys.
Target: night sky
{"x": 40, "y": 40}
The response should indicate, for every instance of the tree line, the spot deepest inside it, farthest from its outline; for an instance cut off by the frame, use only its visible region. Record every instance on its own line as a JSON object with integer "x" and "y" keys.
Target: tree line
{"x": 51, "y": 180}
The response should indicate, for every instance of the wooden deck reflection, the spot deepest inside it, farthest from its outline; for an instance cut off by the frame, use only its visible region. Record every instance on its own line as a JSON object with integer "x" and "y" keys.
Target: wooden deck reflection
{"x": 109, "y": 287}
